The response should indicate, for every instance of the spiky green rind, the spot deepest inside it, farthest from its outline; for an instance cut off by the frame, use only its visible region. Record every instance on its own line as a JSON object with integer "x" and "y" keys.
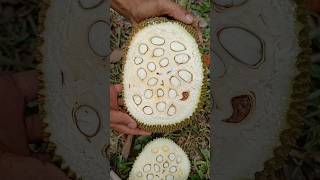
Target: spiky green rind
{"x": 298, "y": 99}
{"x": 204, "y": 87}
{"x": 41, "y": 96}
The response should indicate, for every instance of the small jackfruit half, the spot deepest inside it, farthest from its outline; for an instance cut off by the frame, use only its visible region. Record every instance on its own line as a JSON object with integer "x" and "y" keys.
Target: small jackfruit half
{"x": 161, "y": 159}
{"x": 164, "y": 77}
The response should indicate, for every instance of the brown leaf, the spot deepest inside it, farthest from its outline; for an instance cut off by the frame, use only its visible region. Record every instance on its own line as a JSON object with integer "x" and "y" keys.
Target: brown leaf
{"x": 196, "y": 25}
{"x": 127, "y": 146}
{"x": 116, "y": 55}
{"x": 206, "y": 59}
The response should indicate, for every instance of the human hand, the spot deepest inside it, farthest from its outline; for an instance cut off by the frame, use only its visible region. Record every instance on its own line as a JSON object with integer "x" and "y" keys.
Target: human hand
{"x": 120, "y": 121}
{"x": 138, "y": 10}
{"x": 313, "y": 5}
{"x": 16, "y": 132}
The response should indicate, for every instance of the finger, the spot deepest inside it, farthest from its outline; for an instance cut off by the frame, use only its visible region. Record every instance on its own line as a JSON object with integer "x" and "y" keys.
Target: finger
{"x": 28, "y": 84}
{"x": 118, "y": 88}
{"x": 15, "y": 167}
{"x": 34, "y": 127}
{"x": 118, "y": 117}
{"x": 120, "y": 102}
{"x": 41, "y": 156}
{"x": 313, "y": 5}
{"x": 12, "y": 129}
{"x": 176, "y": 11}
{"x": 113, "y": 98}
{"x": 114, "y": 90}
{"x": 126, "y": 130}
{"x": 179, "y": 13}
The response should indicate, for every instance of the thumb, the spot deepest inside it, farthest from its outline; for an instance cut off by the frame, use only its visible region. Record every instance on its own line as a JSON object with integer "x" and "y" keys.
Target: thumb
{"x": 176, "y": 11}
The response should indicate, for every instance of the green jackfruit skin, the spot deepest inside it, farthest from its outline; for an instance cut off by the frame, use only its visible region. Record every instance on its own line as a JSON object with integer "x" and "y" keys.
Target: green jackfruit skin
{"x": 204, "y": 87}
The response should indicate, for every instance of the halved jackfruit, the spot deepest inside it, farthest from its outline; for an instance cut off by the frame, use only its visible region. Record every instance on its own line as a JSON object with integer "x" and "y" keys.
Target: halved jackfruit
{"x": 163, "y": 75}
{"x": 161, "y": 159}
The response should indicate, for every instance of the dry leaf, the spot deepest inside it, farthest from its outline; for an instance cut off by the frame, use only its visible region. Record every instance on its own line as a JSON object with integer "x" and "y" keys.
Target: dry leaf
{"x": 126, "y": 147}
{"x": 116, "y": 55}
{"x": 206, "y": 59}
{"x": 203, "y": 23}
{"x": 196, "y": 24}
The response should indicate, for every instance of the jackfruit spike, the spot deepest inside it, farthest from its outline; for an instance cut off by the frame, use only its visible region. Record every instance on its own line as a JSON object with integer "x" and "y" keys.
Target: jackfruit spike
{"x": 71, "y": 174}
{"x": 50, "y": 147}
{"x": 44, "y": 125}
{"x": 57, "y": 160}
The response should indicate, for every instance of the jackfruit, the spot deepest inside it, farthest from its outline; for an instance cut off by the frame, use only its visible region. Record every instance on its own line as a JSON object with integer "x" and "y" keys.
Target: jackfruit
{"x": 161, "y": 159}
{"x": 163, "y": 75}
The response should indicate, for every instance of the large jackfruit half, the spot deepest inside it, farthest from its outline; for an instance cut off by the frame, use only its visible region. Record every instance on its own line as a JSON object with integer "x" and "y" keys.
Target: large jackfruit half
{"x": 161, "y": 159}
{"x": 163, "y": 75}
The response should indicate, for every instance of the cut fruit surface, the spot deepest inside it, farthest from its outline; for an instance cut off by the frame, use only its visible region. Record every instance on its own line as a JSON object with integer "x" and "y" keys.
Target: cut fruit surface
{"x": 162, "y": 62}
{"x": 161, "y": 159}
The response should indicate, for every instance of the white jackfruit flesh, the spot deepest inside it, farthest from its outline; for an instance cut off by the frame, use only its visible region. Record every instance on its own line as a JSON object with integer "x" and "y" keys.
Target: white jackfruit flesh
{"x": 163, "y": 75}
{"x": 161, "y": 159}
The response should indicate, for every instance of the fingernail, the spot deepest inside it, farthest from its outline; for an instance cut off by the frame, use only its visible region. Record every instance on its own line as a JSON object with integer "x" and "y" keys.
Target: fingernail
{"x": 189, "y": 18}
{"x": 132, "y": 125}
